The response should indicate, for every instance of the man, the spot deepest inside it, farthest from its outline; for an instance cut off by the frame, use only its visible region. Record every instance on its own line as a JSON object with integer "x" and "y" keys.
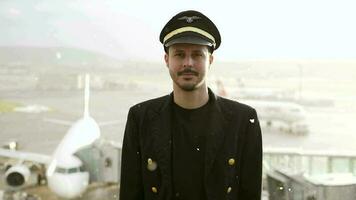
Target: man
{"x": 191, "y": 144}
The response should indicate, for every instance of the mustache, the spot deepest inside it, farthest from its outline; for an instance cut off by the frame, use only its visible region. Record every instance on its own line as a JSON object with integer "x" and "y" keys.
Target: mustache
{"x": 188, "y": 71}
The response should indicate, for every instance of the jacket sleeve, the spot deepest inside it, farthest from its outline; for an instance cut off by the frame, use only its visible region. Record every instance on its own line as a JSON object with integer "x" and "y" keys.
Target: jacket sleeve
{"x": 251, "y": 169}
{"x": 131, "y": 187}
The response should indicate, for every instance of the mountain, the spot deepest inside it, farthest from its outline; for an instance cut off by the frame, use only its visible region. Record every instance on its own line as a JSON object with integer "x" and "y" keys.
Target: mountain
{"x": 66, "y": 60}
{"x": 53, "y": 56}
{"x": 92, "y": 26}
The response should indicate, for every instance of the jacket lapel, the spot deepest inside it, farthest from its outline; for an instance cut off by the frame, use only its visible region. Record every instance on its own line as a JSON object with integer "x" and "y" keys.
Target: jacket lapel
{"x": 161, "y": 126}
{"x": 217, "y": 130}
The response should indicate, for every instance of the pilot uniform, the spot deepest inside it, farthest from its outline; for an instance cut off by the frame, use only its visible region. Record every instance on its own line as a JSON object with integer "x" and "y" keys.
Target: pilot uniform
{"x": 231, "y": 166}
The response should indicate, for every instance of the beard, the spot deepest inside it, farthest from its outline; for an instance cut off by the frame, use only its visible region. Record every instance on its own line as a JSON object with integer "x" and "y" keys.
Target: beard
{"x": 187, "y": 86}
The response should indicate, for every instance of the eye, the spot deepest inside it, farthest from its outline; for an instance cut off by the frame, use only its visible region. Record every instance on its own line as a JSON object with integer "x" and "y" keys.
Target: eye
{"x": 197, "y": 55}
{"x": 179, "y": 54}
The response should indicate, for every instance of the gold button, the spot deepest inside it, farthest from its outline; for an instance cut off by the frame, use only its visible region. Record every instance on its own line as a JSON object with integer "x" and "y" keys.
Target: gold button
{"x": 231, "y": 161}
{"x": 154, "y": 190}
{"x": 149, "y": 161}
{"x": 228, "y": 190}
{"x": 151, "y": 165}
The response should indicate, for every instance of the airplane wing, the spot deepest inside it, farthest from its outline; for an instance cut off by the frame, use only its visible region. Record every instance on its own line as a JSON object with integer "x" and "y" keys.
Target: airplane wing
{"x": 107, "y": 123}
{"x": 69, "y": 123}
{"x": 25, "y": 156}
{"x": 58, "y": 121}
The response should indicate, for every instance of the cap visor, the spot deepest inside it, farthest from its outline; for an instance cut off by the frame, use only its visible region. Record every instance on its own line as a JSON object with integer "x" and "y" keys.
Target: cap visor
{"x": 188, "y": 40}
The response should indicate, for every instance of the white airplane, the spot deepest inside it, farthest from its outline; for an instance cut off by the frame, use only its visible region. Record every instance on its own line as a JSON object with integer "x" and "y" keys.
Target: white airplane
{"x": 65, "y": 173}
{"x": 289, "y": 113}
{"x": 292, "y": 114}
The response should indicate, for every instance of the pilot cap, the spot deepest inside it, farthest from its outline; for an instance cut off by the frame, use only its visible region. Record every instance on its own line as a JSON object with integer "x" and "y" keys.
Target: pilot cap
{"x": 191, "y": 27}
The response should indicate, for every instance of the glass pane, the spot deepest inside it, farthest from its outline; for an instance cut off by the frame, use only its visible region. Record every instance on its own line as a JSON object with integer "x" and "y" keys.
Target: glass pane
{"x": 340, "y": 165}
{"x": 319, "y": 165}
{"x": 296, "y": 70}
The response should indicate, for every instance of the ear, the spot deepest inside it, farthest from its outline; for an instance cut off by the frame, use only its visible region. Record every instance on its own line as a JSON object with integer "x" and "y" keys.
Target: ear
{"x": 211, "y": 59}
{"x": 166, "y": 59}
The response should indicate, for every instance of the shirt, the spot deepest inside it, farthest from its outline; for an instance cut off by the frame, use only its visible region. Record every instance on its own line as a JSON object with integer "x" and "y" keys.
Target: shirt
{"x": 188, "y": 138}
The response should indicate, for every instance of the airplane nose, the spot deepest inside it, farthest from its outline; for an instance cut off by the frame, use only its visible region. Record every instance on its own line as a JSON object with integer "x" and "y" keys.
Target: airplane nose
{"x": 69, "y": 185}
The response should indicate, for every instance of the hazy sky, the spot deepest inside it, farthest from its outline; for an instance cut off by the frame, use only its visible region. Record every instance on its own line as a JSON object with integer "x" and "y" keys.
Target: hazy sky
{"x": 250, "y": 29}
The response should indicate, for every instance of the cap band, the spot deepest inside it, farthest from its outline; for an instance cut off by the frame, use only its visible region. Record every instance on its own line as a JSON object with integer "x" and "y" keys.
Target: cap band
{"x": 186, "y": 29}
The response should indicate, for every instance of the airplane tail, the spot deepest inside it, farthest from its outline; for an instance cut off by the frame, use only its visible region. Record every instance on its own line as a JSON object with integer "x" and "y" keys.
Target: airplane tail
{"x": 86, "y": 95}
{"x": 86, "y": 108}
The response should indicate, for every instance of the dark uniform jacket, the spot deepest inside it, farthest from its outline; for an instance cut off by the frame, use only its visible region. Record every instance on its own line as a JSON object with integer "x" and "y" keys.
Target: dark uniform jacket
{"x": 233, "y": 159}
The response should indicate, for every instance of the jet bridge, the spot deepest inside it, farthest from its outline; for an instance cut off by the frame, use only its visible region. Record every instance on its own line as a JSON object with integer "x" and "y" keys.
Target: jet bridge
{"x": 286, "y": 186}
{"x": 297, "y": 174}
{"x": 102, "y": 160}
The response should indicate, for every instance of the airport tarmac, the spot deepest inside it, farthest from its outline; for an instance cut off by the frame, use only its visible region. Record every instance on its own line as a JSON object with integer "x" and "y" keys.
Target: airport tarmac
{"x": 107, "y": 191}
{"x": 329, "y": 128}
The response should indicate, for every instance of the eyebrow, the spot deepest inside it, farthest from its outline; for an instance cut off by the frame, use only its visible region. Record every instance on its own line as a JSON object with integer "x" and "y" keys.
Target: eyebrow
{"x": 194, "y": 51}
{"x": 198, "y": 51}
{"x": 178, "y": 50}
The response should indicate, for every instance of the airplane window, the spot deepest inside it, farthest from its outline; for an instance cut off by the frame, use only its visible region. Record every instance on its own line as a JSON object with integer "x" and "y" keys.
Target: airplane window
{"x": 70, "y": 71}
{"x": 69, "y": 171}
{"x": 73, "y": 170}
{"x": 82, "y": 169}
{"x": 61, "y": 170}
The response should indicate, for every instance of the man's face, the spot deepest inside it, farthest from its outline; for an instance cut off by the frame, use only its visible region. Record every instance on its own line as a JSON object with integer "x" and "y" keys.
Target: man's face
{"x": 188, "y": 65}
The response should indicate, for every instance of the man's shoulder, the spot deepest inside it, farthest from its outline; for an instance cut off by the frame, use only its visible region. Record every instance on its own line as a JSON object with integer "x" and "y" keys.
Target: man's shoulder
{"x": 234, "y": 105}
{"x": 154, "y": 103}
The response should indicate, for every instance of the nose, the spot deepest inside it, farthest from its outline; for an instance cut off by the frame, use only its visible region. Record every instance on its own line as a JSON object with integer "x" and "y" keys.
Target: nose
{"x": 188, "y": 62}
